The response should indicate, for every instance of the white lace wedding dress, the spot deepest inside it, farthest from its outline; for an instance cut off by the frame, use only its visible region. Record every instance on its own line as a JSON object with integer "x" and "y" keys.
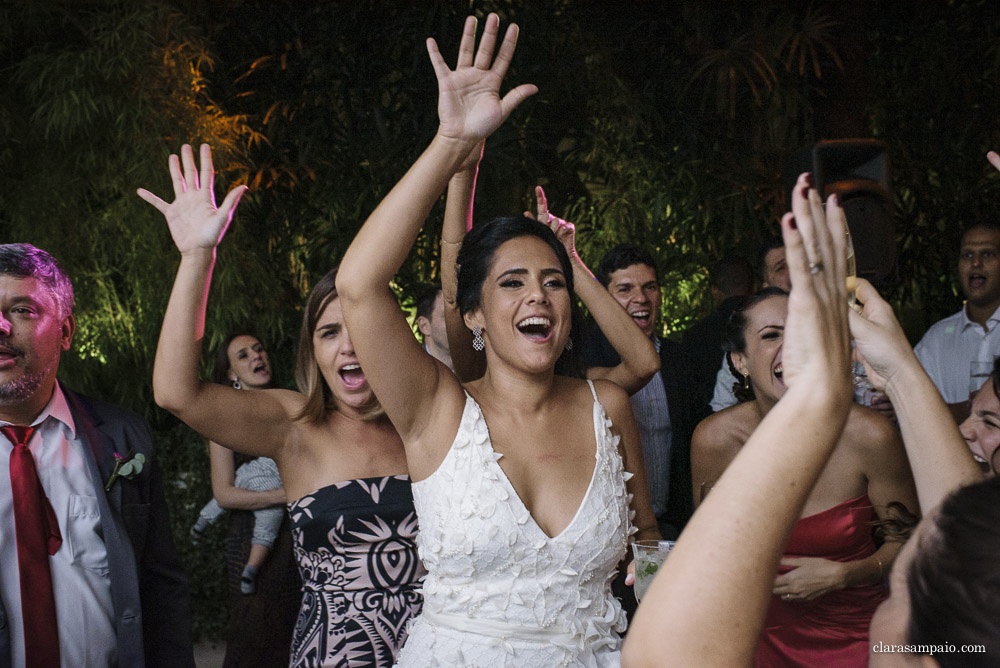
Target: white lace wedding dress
{"x": 499, "y": 591}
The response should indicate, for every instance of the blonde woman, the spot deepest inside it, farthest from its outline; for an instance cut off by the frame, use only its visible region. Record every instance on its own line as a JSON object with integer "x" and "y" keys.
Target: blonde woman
{"x": 341, "y": 461}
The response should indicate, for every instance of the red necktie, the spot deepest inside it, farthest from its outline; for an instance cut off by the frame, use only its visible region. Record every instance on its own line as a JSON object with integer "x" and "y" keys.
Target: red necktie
{"x": 38, "y": 536}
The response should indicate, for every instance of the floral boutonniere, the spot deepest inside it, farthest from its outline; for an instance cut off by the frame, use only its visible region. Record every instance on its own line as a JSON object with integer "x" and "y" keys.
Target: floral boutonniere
{"x": 127, "y": 466}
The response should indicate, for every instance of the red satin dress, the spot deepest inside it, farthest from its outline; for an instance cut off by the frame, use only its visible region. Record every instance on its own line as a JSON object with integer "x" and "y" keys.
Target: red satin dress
{"x": 830, "y": 631}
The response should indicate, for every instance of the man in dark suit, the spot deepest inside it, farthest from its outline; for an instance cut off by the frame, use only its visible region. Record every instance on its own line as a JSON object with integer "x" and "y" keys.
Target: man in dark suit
{"x": 88, "y": 571}
{"x": 664, "y": 409}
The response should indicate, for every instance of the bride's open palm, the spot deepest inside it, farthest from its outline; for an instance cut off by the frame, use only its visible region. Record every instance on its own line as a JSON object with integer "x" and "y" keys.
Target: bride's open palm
{"x": 469, "y": 103}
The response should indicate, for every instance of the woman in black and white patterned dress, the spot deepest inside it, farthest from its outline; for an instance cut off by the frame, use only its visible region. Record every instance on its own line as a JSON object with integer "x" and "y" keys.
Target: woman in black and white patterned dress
{"x": 338, "y": 455}
{"x": 354, "y": 541}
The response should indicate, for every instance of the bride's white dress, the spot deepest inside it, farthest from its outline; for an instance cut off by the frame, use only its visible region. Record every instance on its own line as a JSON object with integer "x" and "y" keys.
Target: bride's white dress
{"x": 499, "y": 591}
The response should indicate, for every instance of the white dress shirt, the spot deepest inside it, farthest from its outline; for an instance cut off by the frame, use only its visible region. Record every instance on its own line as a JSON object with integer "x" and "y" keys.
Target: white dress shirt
{"x": 951, "y": 345}
{"x": 84, "y": 611}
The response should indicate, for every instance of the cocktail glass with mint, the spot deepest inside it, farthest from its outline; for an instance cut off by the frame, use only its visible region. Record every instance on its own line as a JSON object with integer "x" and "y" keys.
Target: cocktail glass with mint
{"x": 649, "y": 556}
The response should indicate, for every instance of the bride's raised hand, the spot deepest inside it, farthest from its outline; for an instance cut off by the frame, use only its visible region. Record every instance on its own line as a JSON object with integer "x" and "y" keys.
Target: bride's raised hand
{"x": 816, "y": 348}
{"x": 195, "y": 222}
{"x": 469, "y": 103}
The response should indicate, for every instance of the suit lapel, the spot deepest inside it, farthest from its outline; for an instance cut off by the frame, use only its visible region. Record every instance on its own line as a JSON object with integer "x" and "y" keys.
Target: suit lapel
{"x": 91, "y": 432}
{"x": 104, "y": 455}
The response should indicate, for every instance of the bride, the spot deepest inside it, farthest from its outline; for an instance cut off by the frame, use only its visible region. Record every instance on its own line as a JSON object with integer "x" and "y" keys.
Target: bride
{"x": 520, "y": 476}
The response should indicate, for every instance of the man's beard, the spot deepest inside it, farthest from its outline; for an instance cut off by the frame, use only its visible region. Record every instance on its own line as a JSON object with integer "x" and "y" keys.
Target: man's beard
{"x": 22, "y": 389}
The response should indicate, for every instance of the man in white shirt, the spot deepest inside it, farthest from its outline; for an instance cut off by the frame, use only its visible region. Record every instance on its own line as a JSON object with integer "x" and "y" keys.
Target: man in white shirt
{"x": 951, "y": 345}
{"x": 106, "y": 587}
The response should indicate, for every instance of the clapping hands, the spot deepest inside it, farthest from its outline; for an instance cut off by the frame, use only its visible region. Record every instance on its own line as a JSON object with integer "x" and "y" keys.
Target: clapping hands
{"x": 816, "y": 344}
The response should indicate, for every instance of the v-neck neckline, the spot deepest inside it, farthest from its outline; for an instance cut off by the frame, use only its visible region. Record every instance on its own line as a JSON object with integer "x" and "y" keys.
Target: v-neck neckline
{"x": 494, "y": 461}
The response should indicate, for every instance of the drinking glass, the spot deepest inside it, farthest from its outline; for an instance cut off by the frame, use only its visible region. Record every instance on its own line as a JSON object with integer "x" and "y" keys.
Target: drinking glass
{"x": 649, "y": 556}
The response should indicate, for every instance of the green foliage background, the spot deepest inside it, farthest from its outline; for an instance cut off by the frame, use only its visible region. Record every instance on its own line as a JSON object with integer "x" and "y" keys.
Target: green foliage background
{"x": 663, "y": 122}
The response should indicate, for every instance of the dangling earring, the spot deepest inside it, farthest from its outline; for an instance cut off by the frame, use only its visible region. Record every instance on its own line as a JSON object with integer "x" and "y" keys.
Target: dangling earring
{"x": 477, "y": 338}
{"x": 236, "y": 384}
{"x": 746, "y": 381}
{"x": 569, "y": 343}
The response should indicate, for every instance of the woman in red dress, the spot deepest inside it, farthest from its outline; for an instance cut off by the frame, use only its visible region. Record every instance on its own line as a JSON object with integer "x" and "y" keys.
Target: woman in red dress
{"x": 831, "y": 577}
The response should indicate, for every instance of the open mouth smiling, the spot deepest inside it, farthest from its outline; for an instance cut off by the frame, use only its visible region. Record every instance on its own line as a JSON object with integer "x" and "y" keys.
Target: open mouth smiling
{"x": 642, "y": 315}
{"x": 981, "y": 462}
{"x": 536, "y": 328}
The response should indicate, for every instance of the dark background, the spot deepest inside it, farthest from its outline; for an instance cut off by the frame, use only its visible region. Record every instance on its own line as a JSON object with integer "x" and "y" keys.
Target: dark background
{"x": 667, "y": 123}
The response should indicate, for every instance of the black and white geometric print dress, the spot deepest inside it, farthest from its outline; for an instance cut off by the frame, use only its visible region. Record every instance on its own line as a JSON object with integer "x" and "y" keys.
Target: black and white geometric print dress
{"x": 355, "y": 543}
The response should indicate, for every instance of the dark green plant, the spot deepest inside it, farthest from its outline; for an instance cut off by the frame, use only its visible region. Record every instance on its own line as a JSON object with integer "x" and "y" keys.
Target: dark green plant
{"x": 938, "y": 111}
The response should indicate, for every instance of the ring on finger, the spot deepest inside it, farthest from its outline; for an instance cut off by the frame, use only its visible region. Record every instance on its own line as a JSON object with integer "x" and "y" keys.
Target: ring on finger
{"x": 786, "y": 597}
{"x": 815, "y": 267}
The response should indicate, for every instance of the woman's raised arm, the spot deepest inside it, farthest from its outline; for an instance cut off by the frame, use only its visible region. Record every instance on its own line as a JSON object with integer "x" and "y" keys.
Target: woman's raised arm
{"x": 940, "y": 458}
{"x": 639, "y": 359}
{"x": 405, "y": 380}
{"x": 468, "y": 364}
{"x": 250, "y": 422}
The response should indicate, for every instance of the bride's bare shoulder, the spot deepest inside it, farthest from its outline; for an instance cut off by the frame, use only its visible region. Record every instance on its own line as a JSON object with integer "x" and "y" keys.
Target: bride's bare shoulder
{"x": 609, "y": 394}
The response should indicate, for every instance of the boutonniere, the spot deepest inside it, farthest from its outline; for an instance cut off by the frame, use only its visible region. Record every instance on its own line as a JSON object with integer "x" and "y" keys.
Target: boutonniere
{"x": 127, "y": 466}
